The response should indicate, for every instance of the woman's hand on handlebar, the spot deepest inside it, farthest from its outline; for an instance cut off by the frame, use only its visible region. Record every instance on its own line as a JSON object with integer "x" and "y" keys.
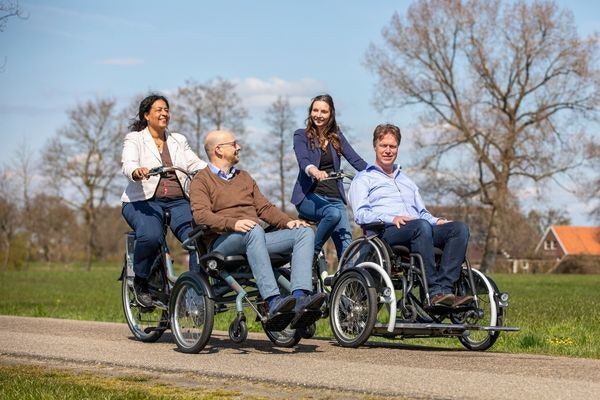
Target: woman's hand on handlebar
{"x": 318, "y": 174}
{"x": 140, "y": 173}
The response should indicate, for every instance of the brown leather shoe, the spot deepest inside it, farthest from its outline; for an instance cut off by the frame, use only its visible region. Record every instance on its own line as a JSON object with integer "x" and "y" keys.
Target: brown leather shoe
{"x": 442, "y": 299}
{"x": 461, "y": 300}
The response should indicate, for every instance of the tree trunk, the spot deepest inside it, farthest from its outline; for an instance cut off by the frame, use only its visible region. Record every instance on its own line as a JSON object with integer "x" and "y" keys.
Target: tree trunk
{"x": 281, "y": 184}
{"x": 491, "y": 243}
{"x": 6, "y": 254}
{"x": 91, "y": 237}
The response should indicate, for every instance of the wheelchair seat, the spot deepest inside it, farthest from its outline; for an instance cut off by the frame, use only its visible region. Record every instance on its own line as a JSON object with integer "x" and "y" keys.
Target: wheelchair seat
{"x": 215, "y": 261}
{"x": 404, "y": 251}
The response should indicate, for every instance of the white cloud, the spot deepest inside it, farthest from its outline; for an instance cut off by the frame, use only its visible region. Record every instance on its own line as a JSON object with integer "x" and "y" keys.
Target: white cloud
{"x": 260, "y": 93}
{"x": 122, "y": 61}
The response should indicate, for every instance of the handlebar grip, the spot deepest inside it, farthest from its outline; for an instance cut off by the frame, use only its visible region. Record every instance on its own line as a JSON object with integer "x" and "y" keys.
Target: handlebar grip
{"x": 155, "y": 170}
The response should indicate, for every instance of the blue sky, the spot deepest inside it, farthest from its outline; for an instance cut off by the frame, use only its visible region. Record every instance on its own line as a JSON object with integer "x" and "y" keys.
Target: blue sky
{"x": 72, "y": 51}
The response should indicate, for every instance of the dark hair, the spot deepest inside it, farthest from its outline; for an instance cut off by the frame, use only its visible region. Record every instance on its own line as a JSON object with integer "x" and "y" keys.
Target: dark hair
{"x": 331, "y": 130}
{"x": 139, "y": 122}
{"x": 384, "y": 129}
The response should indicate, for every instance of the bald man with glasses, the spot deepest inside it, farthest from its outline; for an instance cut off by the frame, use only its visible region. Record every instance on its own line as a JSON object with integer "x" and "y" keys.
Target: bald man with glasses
{"x": 229, "y": 202}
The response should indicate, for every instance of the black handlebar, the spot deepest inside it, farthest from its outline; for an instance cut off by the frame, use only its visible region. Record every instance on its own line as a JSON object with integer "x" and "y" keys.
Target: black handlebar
{"x": 163, "y": 170}
{"x": 339, "y": 175}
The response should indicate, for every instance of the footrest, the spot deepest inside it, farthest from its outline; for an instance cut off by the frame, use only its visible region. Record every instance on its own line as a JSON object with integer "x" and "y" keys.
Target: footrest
{"x": 306, "y": 318}
{"x": 279, "y": 322}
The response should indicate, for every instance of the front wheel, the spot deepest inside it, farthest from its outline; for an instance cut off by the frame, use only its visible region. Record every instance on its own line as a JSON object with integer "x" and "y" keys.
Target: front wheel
{"x": 192, "y": 313}
{"x": 238, "y": 331}
{"x": 145, "y": 323}
{"x": 286, "y": 338}
{"x": 353, "y": 309}
{"x": 486, "y": 312}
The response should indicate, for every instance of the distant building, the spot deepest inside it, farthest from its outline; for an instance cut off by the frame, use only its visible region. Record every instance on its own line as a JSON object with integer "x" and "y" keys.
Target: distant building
{"x": 563, "y": 240}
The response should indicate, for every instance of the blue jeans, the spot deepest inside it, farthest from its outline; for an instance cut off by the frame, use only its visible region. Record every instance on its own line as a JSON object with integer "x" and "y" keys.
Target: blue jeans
{"x": 258, "y": 244}
{"x": 330, "y": 212}
{"x": 421, "y": 237}
{"x": 146, "y": 219}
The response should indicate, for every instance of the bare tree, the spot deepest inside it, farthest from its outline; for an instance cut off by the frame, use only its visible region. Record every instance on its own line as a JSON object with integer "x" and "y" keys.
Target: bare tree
{"x": 57, "y": 234}
{"x": 9, "y": 215}
{"x": 189, "y": 114}
{"x": 592, "y": 190}
{"x": 25, "y": 174}
{"x": 540, "y": 220}
{"x": 9, "y": 9}
{"x": 204, "y": 107}
{"x": 112, "y": 228}
{"x": 82, "y": 162}
{"x": 276, "y": 149}
{"x": 500, "y": 86}
{"x": 224, "y": 108}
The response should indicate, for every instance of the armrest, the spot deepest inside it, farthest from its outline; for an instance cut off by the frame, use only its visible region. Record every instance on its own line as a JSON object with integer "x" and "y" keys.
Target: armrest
{"x": 373, "y": 226}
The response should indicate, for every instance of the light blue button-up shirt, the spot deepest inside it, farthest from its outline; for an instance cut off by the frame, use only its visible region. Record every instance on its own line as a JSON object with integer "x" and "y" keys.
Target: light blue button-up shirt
{"x": 376, "y": 196}
{"x": 221, "y": 174}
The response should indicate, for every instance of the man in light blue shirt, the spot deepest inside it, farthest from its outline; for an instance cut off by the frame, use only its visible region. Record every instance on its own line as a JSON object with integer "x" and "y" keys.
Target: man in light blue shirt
{"x": 383, "y": 193}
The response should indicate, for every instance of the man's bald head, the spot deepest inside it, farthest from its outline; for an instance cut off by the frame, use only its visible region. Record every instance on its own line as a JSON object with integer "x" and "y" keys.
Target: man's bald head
{"x": 214, "y": 138}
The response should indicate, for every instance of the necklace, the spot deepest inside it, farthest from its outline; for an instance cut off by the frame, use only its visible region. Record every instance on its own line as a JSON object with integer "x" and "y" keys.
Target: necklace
{"x": 159, "y": 144}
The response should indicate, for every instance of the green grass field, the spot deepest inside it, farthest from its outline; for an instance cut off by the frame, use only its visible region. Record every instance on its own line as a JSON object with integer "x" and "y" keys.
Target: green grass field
{"x": 557, "y": 314}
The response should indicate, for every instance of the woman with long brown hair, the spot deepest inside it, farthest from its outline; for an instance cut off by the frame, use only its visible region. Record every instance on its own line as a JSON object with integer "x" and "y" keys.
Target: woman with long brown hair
{"x": 319, "y": 148}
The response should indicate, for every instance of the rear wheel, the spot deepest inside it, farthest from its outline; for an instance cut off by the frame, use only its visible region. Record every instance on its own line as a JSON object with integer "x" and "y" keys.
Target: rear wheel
{"x": 192, "y": 314}
{"x": 353, "y": 309}
{"x": 146, "y": 323}
{"x": 486, "y": 313}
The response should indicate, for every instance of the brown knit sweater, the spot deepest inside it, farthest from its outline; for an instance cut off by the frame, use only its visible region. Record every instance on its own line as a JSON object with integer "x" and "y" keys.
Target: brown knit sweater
{"x": 219, "y": 203}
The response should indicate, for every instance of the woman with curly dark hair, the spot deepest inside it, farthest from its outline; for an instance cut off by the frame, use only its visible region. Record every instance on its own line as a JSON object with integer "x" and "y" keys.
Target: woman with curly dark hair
{"x": 146, "y": 198}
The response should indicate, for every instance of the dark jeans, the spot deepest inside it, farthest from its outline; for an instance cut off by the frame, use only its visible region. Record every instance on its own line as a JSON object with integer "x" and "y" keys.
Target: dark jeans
{"x": 421, "y": 237}
{"x": 146, "y": 219}
{"x": 332, "y": 218}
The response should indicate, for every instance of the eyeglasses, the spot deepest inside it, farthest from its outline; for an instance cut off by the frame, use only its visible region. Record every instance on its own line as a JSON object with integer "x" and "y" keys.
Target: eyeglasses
{"x": 234, "y": 143}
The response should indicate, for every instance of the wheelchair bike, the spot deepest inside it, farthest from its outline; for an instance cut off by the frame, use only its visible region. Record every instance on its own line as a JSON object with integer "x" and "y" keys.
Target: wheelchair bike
{"x": 382, "y": 290}
{"x": 227, "y": 283}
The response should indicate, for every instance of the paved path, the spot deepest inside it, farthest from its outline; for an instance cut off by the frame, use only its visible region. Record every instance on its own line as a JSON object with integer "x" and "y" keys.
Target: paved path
{"x": 398, "y": 370}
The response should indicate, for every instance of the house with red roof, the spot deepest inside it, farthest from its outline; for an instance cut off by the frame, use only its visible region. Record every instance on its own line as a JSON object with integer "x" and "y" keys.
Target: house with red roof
{"x": 563, "y": 240}
{"x": 560, "y": 242}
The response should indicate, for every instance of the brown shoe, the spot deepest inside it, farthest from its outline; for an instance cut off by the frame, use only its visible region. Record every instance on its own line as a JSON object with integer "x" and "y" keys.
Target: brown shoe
{"x": 442, "y": 299}
{"x": 461, "y": 300}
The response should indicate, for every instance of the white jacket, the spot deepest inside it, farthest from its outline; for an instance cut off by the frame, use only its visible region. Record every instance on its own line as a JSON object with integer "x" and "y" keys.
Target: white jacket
{"x": 139, "y": 150}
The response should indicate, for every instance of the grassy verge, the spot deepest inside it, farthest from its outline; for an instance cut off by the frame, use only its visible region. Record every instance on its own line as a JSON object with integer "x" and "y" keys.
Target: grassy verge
{"x": 19, "y": 382}
{"x": 557, "y": 314}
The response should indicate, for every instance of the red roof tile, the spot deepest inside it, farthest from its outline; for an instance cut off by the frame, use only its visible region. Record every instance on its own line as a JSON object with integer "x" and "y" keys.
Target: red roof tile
{"x": 578, "y": 239}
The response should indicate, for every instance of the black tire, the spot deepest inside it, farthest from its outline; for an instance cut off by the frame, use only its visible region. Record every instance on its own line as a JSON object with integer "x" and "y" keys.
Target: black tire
{"x": 240, "y": 334}
{"x": 309, "y": 331}
{"x": 286, "y": 338}
{"x": 192, "y": 313}
{"x": 487, "y": 313}
{"x": 145, "y": 323}
{"x": 362, "y": 250}
{"x": 353, "y": 309}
